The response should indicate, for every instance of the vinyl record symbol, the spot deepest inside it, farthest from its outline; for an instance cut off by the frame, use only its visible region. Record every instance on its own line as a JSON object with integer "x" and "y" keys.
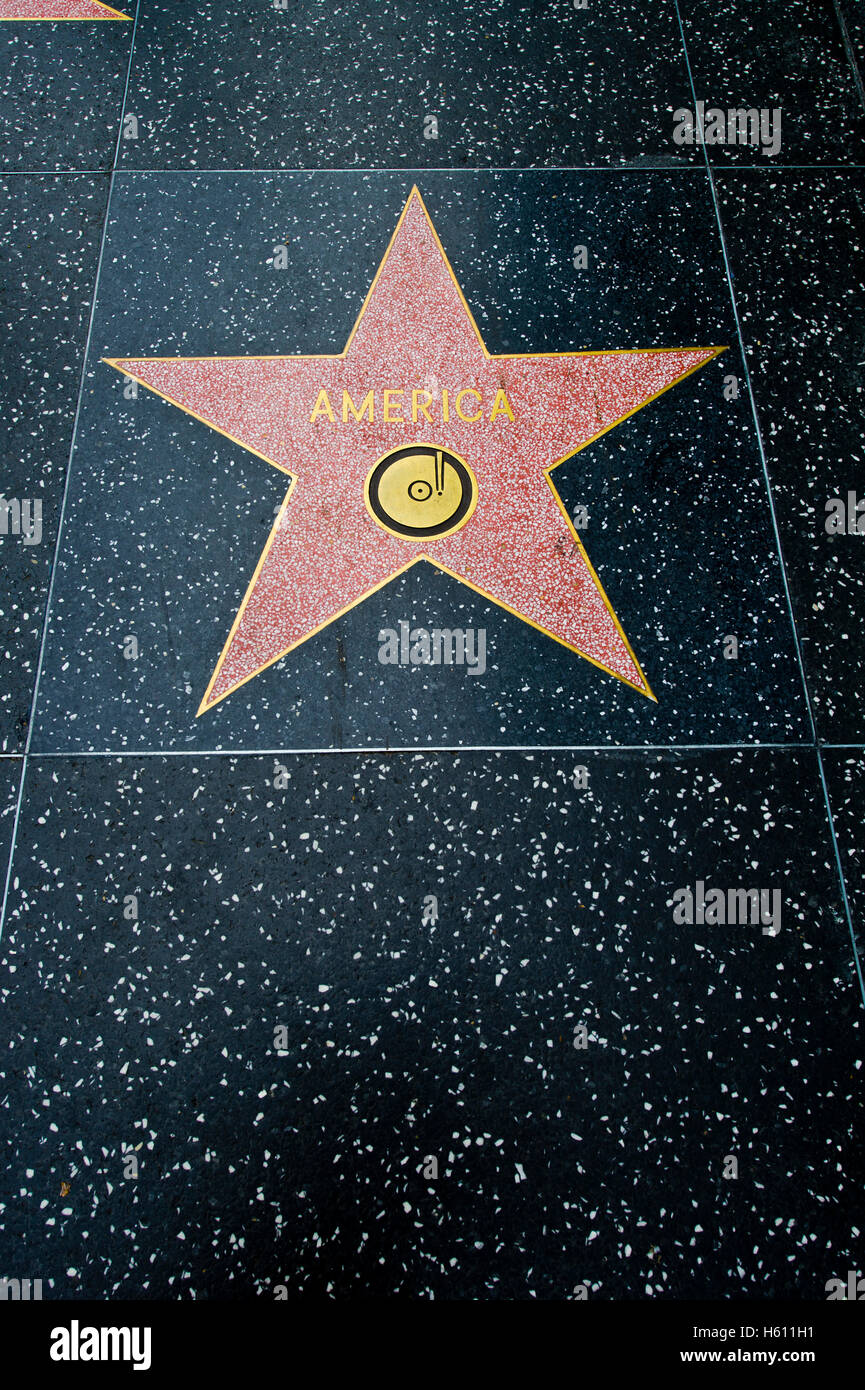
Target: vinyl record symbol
{"x": 420, "y": 492}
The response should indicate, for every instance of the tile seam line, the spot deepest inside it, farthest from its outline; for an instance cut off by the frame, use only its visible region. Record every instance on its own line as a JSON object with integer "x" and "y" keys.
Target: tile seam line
{"x": 314, "y": 171}
{"x": 69, "y": 464}
{"x": 780, "y": 549}
{"x": 753, "y": 403}
{"x": 696, "y": 168}
{"x": 377, "y": 751}
{"x": 849, "y": 50}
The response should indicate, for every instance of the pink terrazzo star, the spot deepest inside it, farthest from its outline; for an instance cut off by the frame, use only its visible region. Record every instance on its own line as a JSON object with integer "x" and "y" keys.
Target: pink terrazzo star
{"x": 511, "y": 418}
{"x": 57, "y": 9}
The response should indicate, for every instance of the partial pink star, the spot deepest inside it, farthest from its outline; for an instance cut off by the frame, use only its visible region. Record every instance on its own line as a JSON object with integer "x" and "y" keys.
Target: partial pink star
{"x": 57, "y": 9}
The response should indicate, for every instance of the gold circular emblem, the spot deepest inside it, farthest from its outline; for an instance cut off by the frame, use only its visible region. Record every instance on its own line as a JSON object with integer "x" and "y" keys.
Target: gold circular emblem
{"x": 420, "y": 492}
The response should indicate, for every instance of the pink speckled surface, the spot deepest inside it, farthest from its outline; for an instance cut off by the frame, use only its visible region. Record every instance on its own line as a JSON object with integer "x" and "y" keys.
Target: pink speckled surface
{"x": 326, "y": 552}
{"x": 57, "y": 9}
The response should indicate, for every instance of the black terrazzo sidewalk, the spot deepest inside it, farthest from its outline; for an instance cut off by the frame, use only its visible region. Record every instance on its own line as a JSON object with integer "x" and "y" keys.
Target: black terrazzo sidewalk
{"x": 351, "y": 920}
